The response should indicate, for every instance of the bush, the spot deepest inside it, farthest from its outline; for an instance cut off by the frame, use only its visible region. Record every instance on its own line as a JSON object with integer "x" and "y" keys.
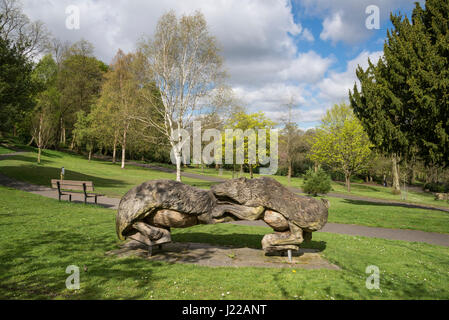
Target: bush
{"x": 316, "y": 182}
{"x": 437, "y": 187}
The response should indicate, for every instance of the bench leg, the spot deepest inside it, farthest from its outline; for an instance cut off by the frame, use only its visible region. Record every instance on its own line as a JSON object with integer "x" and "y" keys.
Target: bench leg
{"x": 95, "y": 199}
{"x": 70, "y": 198}
{"x": 59, "y": 197}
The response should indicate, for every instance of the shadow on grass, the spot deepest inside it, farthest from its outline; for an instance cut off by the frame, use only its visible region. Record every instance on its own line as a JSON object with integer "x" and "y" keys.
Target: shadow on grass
{"x": 43, "y": 175}
{"x": 36, "y": 268}
{"x": 386, "y": 203}
{"x": 237, "y": 240}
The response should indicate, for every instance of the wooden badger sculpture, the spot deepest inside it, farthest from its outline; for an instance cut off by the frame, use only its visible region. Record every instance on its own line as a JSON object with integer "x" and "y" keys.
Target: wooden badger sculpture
{"x": 147, "y": 212}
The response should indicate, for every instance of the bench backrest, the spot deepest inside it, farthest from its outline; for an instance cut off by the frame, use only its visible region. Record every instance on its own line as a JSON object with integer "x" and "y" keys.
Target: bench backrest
{"x": 72, "y": 185}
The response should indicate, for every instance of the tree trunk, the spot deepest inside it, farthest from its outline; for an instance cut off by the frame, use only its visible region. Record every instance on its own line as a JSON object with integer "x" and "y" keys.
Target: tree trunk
{"x": 39, "y": 142}
{"x": 124, "y": 148}
{"x": 348, "y": 181}
{"x": 178, "y": 165}
{"x": 241, "y": 171}
{"x": 72, "y": 145}
{"x": 90, "y": 154}
{"x": 251, "y": 171}
{"x": 233, "y": 171}
{"x": 114, "y": 150}
{"x": 395, "y": 172}
{"x": 289, "y": 175}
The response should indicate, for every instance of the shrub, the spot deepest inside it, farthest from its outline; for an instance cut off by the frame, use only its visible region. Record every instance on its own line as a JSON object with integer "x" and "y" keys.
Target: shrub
{"x": 316, "y": 182}
{"x": 437, "y": 187}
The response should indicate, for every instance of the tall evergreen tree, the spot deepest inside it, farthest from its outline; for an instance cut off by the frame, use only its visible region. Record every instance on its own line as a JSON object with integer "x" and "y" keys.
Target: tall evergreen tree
{"x": 403, "y": 101}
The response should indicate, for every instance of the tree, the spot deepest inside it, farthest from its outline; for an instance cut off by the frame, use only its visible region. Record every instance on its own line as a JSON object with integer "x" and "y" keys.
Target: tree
{"x": 16, "y": 86}
{"x": 403, "y": 102}
{"x": 120, "y": 101}
{"x": 79, "y": 80}
{"x": 85, "y": 132}
{"x": 184, "y": 63}
{"x": 341, "y": 142}
{"x": 290, "y": 141}
{"x": 248, "y": 124}
{"x": 44, "y": 115}
{"x": 29, "y": 38}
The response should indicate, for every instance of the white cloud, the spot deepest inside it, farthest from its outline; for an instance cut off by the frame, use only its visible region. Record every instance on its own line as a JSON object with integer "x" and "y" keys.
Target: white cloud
{"x": 334, "y": 29}
{"x": 344, "y": 20}
{"x": 308, "y": 67}
{"x": 307, "y": 35}
{"x": 335, "y": 87}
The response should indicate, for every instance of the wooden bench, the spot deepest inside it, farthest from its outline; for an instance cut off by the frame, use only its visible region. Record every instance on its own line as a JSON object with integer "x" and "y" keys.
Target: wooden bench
{"x": 70, "y": 185}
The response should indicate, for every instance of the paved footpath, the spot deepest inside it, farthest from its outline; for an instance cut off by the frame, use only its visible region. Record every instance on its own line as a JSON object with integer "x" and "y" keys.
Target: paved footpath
{"x": 349, "y": 229}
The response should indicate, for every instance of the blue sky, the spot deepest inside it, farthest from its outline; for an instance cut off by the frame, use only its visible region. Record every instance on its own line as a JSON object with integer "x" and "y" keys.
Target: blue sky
{"x": 274, "y": 50}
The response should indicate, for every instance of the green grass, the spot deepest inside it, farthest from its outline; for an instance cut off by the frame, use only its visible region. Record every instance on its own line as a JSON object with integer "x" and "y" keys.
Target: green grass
{"x": 108, "y": 178}
{"x": 380, "y": 192}
{"x": 387, "y": 216}
{"x": 38, "y": 242}
{"x": 4, "y": 150}
{"x": 357, "y": 189}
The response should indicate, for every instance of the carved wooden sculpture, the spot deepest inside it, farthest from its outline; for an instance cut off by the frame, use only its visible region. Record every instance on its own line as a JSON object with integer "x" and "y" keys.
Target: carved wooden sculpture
{"x": 147, "y": 212}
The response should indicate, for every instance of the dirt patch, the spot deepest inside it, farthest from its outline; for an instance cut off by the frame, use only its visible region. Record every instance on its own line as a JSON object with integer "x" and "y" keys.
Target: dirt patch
{"x": 223, "y": 256}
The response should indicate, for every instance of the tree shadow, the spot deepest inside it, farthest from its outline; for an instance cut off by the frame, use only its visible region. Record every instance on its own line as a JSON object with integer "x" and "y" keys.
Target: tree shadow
{"x": 45, "y": 276}
{"x": 43, "y": 176}
{"x": 237, "y": 240}
{"x": 386, "y": 203}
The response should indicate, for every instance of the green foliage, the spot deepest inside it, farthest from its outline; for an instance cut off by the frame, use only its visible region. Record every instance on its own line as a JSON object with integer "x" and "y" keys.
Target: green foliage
{"x": 341, "y": 143}
{"x": 251, "y": 122}
{"x": 317, "y": 182}
{"x": 16, "y": 86}
{"x": 437, "y": 187}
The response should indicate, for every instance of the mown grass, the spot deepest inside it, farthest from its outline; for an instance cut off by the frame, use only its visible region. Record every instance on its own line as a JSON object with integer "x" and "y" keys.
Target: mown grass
{"x": 387, "y": 216}
{"x": 40, "y": 237}
{"x": 357, "y": 189}
{"x": 108, "y": 178}
{"x": 113, "y": 181}
{"x": 4, "y": 150}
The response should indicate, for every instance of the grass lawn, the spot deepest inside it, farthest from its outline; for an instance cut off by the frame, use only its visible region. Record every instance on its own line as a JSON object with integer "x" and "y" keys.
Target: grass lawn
{"x": 38, "y": 242}
{"x": 108, "y": 178}
{"x": 387, "y": 216}
{"x": 357, "y": 189}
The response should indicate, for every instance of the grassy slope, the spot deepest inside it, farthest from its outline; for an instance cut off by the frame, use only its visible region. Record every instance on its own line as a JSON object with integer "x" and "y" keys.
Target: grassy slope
{"x": 108, "y": 178}
{"x": 37, "y": 243}
{"x": 4, "y": 150}
{"x": 380, "y": 215}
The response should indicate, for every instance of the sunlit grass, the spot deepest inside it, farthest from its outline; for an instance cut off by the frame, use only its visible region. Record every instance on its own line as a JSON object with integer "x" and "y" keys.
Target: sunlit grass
{"x": 108, "y": 178}
{"x": 387, "y": 216}
{"x": 40, "y": 237}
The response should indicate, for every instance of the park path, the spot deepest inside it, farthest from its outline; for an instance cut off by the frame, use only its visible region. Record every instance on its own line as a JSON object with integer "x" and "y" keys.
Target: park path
{"x": 348, "y": 229}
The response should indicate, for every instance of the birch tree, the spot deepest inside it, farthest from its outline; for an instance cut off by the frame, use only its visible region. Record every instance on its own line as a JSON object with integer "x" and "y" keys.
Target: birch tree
{"x": 119, "y": 100}
{"x": 184, "y": 63}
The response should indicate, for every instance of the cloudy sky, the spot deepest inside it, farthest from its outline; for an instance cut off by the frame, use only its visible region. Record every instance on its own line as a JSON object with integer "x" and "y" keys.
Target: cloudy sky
{"x": 274, "y": 50}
